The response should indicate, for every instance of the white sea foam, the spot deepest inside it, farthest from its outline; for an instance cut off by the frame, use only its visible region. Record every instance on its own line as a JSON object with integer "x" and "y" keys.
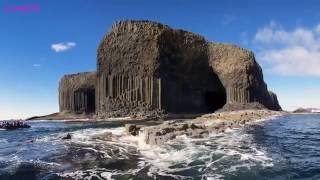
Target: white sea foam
{"x": 212, "y": 157}
{"x": 49, "y": 138}
{"x": 274, "y": 117}
{"x": 225, "y": 146}
{"x": 120, "y": 118}
{"x": 3, "y": 141}
{"x": 44, "y": 163}
{"x": 161, "y": 159}
{"x": 85, "y": 135}
{"x": 99, "y": 173}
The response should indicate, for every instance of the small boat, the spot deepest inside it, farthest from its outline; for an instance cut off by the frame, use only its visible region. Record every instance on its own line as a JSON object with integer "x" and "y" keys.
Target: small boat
{"x": 13, "y": 124}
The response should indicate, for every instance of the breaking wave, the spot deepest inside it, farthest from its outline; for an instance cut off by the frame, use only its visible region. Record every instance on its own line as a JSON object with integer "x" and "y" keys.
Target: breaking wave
{"x": 262, "y": 150}
{"x": 181, "y": 158}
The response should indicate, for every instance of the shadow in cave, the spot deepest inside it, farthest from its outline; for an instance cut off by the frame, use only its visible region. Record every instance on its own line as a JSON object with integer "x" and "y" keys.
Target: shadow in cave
{"x": 214, "y": 100}
{"x": 84, "y": 100}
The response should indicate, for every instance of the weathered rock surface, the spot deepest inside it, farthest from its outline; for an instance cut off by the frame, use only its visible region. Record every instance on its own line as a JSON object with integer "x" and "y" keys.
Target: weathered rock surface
{"x": 242, "y": 78}
{"x": 133, "y": 129}
{"x": 77, "y": 93}
{"x": 160, "y": 134}
{"x": 202, "y": 126}
{"x": 148, "y": 66}
{"x": 147, "y": 69}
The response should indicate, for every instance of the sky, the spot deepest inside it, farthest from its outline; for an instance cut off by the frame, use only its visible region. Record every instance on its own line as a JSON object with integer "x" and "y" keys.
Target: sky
{"x": 48, "y": 39}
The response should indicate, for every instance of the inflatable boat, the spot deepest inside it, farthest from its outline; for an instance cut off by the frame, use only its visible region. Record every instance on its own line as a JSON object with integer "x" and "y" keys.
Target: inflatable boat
{"x": 9, "y": 125}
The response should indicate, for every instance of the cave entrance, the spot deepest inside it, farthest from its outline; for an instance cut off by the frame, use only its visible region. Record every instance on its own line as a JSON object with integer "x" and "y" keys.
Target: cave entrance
{"x": 214, "y": 100}
{"x": 84, "y": 100}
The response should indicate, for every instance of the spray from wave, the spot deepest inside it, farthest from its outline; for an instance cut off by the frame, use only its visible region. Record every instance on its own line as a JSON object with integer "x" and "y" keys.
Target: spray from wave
{"x": 181, "y": 158}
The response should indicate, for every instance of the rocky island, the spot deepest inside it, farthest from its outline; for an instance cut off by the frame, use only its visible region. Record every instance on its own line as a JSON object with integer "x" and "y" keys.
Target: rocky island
{"x": 149, "y": 70}
{"x": 307, "y": 110}
{"x": 182, "y": 92}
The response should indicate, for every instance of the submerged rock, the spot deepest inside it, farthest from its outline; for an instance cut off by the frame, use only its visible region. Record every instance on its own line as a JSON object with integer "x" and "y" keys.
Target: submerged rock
{"x": 68, "y": 136}
{"x": 133, "y": 129}
{"x": 157, "y": 135}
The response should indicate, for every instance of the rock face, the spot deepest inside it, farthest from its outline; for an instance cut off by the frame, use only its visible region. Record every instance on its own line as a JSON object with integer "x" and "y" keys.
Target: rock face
{"x": 145, "y": 66}
{"x": 157, "y": 135}
{"x": 241, "y": 76}
{"x": 148, "y": 68}
{"x": 77, "y": 93}
{"x": 199, "y": 127}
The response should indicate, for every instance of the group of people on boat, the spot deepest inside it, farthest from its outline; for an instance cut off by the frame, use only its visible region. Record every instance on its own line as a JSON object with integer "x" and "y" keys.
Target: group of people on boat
{"x": 13, "y": 124}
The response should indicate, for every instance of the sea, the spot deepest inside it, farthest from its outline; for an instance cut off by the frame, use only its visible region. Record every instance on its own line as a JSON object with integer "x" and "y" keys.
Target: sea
{"x": 285, "y": 147}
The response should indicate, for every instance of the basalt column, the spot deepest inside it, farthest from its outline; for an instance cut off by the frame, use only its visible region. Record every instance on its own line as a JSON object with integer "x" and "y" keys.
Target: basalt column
{"x": 143, "y": 66}
{"x": 129, "y": 91}
{"x": 84, "y": 100}
{"x": 242, "y": 77}
{"x": 237, "y": 95}
{"x": 77, "y": 93}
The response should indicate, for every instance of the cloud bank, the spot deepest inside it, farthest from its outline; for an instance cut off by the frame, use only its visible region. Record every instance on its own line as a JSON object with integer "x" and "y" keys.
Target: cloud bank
{"x": 60, "y": 47}
{"x": 290, "y": 52}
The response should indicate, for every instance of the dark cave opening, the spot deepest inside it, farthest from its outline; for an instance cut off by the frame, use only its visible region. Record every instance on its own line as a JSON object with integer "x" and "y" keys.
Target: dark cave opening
{"x": 84, "y": 100}
{"x": 183, "y": 99}
{"x": 201, "y": 92}
{"x": 214, "y": 100}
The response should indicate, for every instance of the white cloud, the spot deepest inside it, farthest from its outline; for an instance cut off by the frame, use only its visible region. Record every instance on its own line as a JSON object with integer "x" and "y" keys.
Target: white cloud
{"x": 317, "y": 28}
{"x": 60, "y": 47}
{"x": 295, "y": 52}
{"x": 36, "y": 65}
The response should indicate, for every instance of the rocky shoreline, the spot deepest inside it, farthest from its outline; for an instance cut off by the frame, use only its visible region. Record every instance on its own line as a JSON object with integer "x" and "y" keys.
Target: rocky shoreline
{"x": 199, "y": 127}
{"x": 155, "y": 132}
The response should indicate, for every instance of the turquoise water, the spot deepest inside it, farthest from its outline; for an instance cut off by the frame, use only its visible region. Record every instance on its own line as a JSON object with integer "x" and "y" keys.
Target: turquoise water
{"x": 286, "y": 147}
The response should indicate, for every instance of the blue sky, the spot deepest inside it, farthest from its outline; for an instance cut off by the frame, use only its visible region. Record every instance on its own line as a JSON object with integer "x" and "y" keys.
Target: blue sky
{"x": 37, "y": 48}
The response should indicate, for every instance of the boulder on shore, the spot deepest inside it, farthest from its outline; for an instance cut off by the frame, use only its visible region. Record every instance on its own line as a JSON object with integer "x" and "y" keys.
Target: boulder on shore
{"x": 133, "y": 129}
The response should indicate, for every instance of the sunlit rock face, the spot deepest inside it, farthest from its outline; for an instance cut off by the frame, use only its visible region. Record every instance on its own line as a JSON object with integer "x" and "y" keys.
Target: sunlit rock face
{"x": 241, "y": 76}
{"x": 145, "y": 67}
{"x": 77, "y": 93}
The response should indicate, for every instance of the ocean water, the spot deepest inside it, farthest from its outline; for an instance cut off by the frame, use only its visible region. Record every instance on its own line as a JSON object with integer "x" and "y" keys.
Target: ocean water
{"x": 286, "y": 147}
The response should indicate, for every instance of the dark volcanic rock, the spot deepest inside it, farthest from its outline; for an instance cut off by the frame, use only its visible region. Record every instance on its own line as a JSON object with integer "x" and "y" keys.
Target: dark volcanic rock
{"x": 156, "y": 135}
{"x": 147, "y": 69}
{"x": 147, "y": 66}
{"x": 133, "y": 129}
{"x": 68, "y": 136}
{"x": 77, "y": 92}
{"x": 242, "y": 77}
